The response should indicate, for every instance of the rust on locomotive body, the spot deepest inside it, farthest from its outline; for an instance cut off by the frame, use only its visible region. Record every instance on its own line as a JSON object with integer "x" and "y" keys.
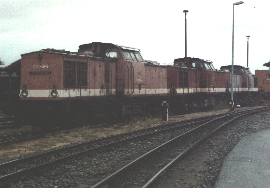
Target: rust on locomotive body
{"x": 97, "y": 69}
{"x": 114, "y": 75}
{"x": 198, "y": 75}
{"x": 108, "y": 81}
{"x": 243, "y": 80}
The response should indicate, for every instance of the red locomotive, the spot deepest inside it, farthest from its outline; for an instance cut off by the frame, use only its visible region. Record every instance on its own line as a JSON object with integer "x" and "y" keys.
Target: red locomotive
{"x": 104, "y": 80}
{"x": 264, "y": 79}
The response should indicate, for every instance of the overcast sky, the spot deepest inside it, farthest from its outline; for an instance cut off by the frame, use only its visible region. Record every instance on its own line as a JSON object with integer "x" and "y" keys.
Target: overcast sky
{"x": 156, "y": 27}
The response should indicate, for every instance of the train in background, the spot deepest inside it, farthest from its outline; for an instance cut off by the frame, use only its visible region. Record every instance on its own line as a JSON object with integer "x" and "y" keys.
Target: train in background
{"x": 9, "y": 86}
{"x": 104, "y": 81}
{"x": 9, "y": 90}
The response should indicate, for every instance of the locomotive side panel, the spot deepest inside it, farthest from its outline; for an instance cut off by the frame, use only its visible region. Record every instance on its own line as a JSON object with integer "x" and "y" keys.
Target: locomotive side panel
{"x": 129, "y": 78}
{"x": 193, "y": 81}
{"x": 58, "y": 76}
{"x": 207, "y": 82}
{"x": 125, "y": 77}
{"x": 244, "y": 85}
{"x": 263, "y": 80}
{"x": 120, "y": 77}
{"x": 203, "y": 80}
{"x": 139, "y": 78}
{"x": 227, "y": 78}
{"x": 101, "y": 78}
{"x": 172, "y": 79}
{"x": 189, "y": 81}
{"x": 74, "y": 79}
{"x": 156, "y": 80}
{"x": 250, "y": 82}
{"x": 183, "y": 81}
{"x": 255, "y": 82}
{"x": 221, "y": 81}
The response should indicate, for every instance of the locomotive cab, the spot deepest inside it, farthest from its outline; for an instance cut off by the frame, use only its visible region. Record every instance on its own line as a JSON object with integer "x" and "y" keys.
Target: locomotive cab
{"x": 201, "y": 74}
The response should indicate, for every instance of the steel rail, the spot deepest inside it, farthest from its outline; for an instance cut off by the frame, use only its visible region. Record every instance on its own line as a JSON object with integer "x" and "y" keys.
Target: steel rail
{"x": 6, "y": 119}
{"x": 108, "y": 179}
{"x": 111, "y": 177}
{"x": 121, "y": 137}
{"x": 163, "y": 170}
{"x": 107, "y": 143}
{"x": 181, "y": 155}
{"x": 21, "y": 137}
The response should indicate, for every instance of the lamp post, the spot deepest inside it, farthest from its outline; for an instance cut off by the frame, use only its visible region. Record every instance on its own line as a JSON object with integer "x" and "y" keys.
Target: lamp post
{"x": 185, "y": 11}
{"x": 247, "y": 49}
{"x": 232, "y": 102}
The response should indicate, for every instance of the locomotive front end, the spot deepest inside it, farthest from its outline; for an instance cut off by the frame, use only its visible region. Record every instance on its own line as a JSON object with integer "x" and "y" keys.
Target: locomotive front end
{"x": 41, "y": 85}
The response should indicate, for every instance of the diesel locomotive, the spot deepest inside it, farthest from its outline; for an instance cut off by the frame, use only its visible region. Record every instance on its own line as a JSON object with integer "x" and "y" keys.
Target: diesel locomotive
{"x": 105, "y": 81}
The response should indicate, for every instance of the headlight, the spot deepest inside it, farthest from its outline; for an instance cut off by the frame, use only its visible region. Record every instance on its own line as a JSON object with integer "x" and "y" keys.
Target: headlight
{"x": 54, "y": 93}
{"x": 24, "y": 93}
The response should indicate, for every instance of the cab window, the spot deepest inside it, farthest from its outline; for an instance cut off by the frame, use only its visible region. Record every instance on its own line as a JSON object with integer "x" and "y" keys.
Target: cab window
{"x": 127, "y": 56}
{"x": 131, "y": 55}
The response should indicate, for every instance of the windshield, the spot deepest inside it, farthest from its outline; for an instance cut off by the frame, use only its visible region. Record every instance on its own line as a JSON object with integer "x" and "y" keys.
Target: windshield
{"x": 197, "y": 65}
{"x": 209, "y": 66}
{"x": 110, "y": 52}
{"x": 132, "y": 55}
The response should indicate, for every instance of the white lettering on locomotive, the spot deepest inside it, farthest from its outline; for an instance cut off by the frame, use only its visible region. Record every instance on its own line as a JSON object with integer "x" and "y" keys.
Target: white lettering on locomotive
{"x": 40, "y": 66}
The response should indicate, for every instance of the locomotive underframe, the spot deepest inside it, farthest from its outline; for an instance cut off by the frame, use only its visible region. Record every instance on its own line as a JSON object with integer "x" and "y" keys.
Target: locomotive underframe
{"x": 113, "y": 109}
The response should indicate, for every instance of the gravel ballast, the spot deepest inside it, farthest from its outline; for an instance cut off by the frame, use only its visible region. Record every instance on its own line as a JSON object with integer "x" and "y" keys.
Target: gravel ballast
{"x": 202, "y": 167}
{"x": 200, "y": 170}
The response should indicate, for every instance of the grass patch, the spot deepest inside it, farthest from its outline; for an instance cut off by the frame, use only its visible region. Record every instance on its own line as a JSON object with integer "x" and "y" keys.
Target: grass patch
{"x": 219, "y": 107}
{"x": 74, "y": 134}
{"x": 23, "y": 129}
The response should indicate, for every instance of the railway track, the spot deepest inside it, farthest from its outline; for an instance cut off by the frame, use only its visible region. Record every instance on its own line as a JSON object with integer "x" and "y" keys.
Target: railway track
{"x": 17, "y": 168}
{"x": 22, "y": 167}
{"x": 8, "y": 123}
{"x": 146, "y": 169}
{"x": 5, "y": 125}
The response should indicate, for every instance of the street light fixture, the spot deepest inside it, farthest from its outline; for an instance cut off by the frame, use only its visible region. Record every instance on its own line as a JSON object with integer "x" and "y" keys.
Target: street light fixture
{"x": 232, "y": 102}
{"x": 238, "y": 3}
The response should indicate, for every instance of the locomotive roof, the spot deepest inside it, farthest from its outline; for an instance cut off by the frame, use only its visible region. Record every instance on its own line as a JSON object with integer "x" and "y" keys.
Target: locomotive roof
{"x": 267, "y": 64}
{"x": 55, "y": 51}
{"x": 89, "y": 46}
{"x": 234, "y": 66}
{"x": 193, "y": 59}
{"x": 237, "y": 69}
{"x": 188, "y": 62}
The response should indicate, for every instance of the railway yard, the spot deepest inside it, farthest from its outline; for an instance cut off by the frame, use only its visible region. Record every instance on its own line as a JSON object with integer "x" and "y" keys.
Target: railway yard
{"x": 103, "y": 116}
{"x": 135, "y": 154}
